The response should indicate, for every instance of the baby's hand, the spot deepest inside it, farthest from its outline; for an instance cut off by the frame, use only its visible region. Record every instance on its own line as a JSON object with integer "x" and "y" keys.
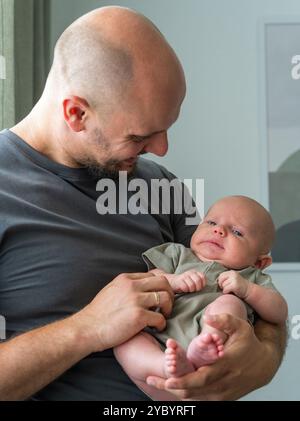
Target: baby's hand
{"x": 189, "y": 281}
{"x": 232, "y": 281}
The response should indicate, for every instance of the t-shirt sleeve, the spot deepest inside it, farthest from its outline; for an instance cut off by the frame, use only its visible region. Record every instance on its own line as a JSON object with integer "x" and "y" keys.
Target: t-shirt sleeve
{"x": 264, "y": 280}
{"x": 164, "y": 257}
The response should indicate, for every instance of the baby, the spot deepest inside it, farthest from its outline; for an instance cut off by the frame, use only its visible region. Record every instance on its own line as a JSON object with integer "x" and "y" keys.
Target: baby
{"x": 220, "y": 273}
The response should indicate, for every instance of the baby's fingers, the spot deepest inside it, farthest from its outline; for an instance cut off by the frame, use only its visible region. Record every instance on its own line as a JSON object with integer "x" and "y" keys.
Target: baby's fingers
{"x": 202, "y": 279}
{"x": 197, "y": 281}
{"x": 227, "y": 287}
{"x": 222, "y": 279}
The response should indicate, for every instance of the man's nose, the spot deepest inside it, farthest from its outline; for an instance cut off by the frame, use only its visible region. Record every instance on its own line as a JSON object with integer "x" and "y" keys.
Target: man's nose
{"x": 220, "y": 230}
{"x": 158, "y": 144}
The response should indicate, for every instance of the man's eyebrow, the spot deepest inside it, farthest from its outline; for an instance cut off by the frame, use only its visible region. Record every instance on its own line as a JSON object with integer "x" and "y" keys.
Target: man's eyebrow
{"x": 144, "y": 136}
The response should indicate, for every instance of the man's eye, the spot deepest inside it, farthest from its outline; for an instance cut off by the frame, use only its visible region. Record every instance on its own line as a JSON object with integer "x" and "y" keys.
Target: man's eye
{"x": 237, "y": 232}
{"x": 137, "y": 139}
{"x": 211, "y": 223}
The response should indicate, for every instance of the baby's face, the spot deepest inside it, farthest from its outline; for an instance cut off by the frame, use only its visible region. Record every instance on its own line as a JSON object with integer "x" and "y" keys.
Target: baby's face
{"x": 229, "y": 235}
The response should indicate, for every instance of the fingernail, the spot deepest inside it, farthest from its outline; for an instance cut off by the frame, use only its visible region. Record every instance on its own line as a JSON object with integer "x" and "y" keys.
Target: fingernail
{"x": 150, "y": 382}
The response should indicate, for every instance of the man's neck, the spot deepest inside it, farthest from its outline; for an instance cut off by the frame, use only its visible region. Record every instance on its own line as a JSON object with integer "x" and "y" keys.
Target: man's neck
{"x": 39, "y": 134}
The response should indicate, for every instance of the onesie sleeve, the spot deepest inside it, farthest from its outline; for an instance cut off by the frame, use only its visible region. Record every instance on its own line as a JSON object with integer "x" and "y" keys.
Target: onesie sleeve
{"x": 165, "y": 257}
{"x": 264, "y": 280}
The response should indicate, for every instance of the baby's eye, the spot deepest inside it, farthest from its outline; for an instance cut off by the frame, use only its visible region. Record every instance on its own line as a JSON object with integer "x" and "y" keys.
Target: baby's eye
{"x": 237, "y": 232}
{"x": 211, "y": 222}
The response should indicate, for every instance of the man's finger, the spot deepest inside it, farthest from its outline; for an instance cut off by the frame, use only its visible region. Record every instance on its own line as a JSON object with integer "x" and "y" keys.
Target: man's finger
{"x": 156, "y": 272}
{"x": 155, "y": 283}
{"x": 224, "y": 322}
{"x": 157, "y": 382}
{"x": 154, "y": 319}
{"x": 151, "y": 283}
{"x": 139, "y": 275}
{"x": 202, "y": 378}
{"x": 188, "y": 384}
{"x": 158, "y": 299}
{"x": 200, "y": 383}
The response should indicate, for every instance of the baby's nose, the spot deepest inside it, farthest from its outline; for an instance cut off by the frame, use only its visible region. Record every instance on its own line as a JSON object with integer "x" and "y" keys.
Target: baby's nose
{"x": 219, "y": 230}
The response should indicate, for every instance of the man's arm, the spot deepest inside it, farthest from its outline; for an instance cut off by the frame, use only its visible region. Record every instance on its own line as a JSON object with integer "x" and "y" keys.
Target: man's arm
{"x": 32, "y": 360}
{"x": 120, "y": 310}
{"x": 250, "y": 362}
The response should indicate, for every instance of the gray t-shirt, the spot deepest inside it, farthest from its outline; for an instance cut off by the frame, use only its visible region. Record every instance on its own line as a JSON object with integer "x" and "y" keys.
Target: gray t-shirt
{"x": 57, "y": 253}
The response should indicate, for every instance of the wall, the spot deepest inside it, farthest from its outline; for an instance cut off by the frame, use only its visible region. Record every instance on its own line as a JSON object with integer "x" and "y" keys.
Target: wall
{"x": 219, "y": 132}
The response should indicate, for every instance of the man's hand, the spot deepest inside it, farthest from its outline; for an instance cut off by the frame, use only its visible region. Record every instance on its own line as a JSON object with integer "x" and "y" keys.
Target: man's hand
{"x": 32, "y": 360}
{"x": 232, "y": 281}
{"x": 125, "y": 307}
{"x": 189, "y": 281}
{"x": 248, "y": 363}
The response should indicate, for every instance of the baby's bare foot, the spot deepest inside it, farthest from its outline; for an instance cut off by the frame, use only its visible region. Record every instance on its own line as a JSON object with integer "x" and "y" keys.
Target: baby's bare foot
{"x": 176, "y": 362}
{"x": 205, "y": 349}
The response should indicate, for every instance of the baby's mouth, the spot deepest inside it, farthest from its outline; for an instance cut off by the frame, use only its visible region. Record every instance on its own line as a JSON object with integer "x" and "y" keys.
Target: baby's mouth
{"x": 214, "y": 243}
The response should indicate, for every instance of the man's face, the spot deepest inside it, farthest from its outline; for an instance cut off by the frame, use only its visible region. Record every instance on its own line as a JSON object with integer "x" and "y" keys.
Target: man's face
{"x": 229, "y": 235}
{"x": 136, "y": 126}
{"x": 117, "y": 150}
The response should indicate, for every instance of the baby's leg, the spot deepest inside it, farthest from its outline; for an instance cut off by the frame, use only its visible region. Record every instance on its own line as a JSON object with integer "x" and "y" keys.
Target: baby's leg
{"x": 141, "y": 357}
{"x": 207, "y": 347}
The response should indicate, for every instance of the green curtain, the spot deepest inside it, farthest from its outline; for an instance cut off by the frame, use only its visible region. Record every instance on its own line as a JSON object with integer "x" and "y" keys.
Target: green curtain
{"x": 7, "y": 100}
{"x": 25, "y": 45}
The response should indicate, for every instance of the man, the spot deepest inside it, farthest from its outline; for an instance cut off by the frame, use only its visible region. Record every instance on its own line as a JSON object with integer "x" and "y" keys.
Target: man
{"x": 114, "y": 89}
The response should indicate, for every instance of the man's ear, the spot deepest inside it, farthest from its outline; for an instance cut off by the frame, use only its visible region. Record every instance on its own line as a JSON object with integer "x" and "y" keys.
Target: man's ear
{"x": 263, "y": 261}
{"x": 75, "y": 109}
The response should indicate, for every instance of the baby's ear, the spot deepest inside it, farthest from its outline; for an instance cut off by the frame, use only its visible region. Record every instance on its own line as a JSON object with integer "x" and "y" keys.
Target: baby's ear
{"x": 263, "y": 261}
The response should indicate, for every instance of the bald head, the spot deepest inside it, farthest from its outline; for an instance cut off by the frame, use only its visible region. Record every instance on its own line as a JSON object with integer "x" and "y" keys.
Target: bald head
{"x": 105, "y": 53}
{"x": 255, "y": 216}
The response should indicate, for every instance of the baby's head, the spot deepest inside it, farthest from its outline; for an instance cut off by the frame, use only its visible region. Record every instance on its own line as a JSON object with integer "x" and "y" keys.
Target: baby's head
{"x": 237, "y": 232}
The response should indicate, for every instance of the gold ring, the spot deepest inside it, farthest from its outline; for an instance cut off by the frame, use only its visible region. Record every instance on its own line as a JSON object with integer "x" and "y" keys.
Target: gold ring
{"x": 157, "y": 298}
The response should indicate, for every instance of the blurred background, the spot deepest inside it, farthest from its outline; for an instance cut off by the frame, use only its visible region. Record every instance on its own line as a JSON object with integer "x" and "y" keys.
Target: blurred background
{"x": 222, "y": 132}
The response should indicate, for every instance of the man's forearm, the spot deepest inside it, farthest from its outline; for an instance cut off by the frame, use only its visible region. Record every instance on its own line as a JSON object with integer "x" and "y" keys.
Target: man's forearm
{"x": 275, "y": 336}
{"x": 117, "y": 313}
{"x": 32, "y": 360}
